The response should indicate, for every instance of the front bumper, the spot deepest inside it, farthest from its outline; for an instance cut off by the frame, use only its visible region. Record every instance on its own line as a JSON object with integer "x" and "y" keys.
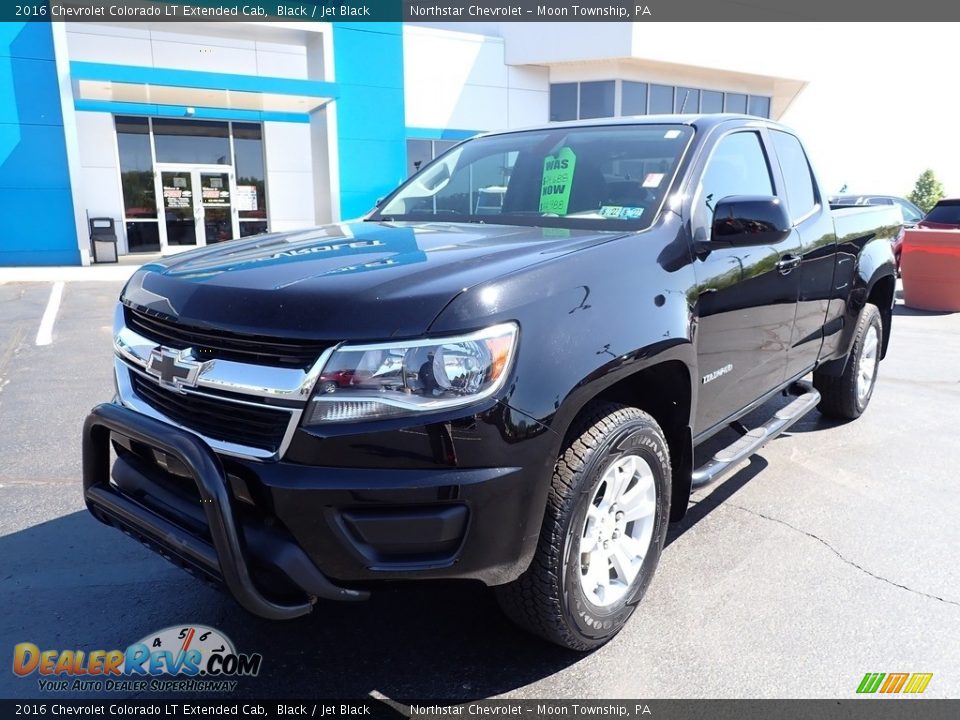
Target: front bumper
{"x": 281, "y": 535}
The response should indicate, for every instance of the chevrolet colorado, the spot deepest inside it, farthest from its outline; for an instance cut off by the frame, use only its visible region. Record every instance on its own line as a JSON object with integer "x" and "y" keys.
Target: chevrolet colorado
{"x": 499, "y": 374}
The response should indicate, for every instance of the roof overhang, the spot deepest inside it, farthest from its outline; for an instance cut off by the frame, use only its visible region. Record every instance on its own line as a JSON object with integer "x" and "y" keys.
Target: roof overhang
{"x": 100, "y": 82}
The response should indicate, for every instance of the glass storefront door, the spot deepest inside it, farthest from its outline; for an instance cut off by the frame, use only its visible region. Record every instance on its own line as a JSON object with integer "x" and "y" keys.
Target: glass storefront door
{"x": 198, "y": 207}
{"x": 189, "y": 182}
{"x": 180, "y": 219}
{"x": 215, "y": 197}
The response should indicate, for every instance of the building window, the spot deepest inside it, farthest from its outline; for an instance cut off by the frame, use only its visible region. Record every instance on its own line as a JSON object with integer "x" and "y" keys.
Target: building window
{"x": 251, "y": 194}
{"x": 633, "y": 98}
{"x": 136, "y": 182}
{"x": 736, "y": 103}
{"x": 581, "y": 101}
{"x": 199, "y": 142}
{"x": 759, "y": 106}
{"x": 596, "y": 99}
{"x": 711, "y": 101}
{"x": 661, "y": 99}
{"x": 686, "y": 100}
{"x": 143, "y": 237}
{"x": 563, "y": 101}
{"x": 185, "y": 146}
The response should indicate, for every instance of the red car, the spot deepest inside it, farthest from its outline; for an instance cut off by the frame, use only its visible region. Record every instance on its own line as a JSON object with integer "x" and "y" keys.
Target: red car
{"x": 945, "y": 215}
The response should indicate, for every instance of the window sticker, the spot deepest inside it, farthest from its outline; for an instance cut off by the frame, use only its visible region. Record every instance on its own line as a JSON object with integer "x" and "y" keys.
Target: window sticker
{"x": 246, "y": 197}
{"x": 671, "y": 134}
{"x": 557, "y": 178}
{"x": 653, "y": 180}
{"x": 620, "y": 212}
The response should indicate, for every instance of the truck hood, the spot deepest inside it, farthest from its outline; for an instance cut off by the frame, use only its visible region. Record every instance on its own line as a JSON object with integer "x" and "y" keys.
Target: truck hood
{"x": 348, "y": 281}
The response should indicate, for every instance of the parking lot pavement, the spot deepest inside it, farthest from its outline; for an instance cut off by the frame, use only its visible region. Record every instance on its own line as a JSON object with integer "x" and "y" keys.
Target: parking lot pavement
{"x": 831, "y": 554}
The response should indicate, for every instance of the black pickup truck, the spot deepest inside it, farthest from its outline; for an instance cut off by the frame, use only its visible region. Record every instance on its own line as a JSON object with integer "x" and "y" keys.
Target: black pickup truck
{"x": 500, "y": 374}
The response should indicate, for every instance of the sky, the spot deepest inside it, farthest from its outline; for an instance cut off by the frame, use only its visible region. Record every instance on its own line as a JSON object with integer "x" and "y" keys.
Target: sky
{"x": 881, "y": 104}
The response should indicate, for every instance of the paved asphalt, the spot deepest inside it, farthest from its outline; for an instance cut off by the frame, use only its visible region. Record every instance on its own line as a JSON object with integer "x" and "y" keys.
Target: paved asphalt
{"x": 832, "y": 554}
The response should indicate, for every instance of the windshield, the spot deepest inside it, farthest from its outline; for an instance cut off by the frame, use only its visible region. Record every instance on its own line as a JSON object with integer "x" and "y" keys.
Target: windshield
{"x": 613, "y": 177}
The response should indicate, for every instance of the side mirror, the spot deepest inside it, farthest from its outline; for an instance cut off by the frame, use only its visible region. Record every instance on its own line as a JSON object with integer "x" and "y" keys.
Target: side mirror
{"x": 749, "y": 220}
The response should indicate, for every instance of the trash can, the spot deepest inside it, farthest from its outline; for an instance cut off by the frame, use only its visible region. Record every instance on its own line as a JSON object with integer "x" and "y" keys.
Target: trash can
{"x": 103, "y": 240}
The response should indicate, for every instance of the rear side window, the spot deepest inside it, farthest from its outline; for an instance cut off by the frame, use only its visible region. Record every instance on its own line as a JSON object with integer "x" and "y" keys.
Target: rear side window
{"x": 947, "y": 213}
{"x": 797, "y": 177}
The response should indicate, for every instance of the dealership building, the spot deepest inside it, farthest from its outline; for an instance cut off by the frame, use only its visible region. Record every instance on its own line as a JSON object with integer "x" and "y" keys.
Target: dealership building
{"x": 186, "y": 134}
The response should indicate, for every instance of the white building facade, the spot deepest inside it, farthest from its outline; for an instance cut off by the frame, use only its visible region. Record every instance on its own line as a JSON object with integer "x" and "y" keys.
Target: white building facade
{"x": 187, "y": 134}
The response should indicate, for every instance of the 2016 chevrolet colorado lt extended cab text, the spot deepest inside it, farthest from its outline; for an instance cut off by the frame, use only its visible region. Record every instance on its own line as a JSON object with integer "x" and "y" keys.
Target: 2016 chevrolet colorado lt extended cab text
{"x": 500, "y": 374}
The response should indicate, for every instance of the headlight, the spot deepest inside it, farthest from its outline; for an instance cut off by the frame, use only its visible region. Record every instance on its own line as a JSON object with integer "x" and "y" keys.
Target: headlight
{"x": 371, "y": 382}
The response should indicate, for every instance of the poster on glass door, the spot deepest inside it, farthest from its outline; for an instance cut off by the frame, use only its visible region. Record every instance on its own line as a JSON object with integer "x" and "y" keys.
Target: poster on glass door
{"x": 215, "y": 191}
{"x": 247, "y": 197}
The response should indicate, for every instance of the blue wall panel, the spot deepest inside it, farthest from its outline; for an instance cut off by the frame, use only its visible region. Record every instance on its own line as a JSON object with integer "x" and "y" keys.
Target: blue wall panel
{"x": 33, "y": 161}
{"x": 32, "y": 40}
{"x": 38, "y": 227}
{"x": 34, "y": 179}
{"x": 371, "y": 138}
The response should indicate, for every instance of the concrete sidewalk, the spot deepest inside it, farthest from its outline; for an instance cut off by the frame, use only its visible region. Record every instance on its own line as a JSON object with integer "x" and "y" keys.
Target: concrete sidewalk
{"x": 107, "y": 272}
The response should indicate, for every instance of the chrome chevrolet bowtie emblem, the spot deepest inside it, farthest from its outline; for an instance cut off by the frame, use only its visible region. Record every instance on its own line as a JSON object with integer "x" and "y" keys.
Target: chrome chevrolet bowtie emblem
{"x": 176, "y": 369}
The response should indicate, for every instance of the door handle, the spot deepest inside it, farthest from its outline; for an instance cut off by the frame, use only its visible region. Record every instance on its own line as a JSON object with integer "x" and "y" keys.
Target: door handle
{"x": 788, "y": 263}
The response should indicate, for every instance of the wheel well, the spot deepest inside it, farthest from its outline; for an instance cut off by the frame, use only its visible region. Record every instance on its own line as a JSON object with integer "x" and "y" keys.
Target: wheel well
{"x": 881, "y": 295}
{"x": 664, "y": 391}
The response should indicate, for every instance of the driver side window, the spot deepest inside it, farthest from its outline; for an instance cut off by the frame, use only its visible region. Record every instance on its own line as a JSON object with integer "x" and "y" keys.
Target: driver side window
{"x": 738, "y": 166}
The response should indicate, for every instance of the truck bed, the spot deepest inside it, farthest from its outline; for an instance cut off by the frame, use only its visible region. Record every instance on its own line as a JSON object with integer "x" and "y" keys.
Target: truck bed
{"x": 852, "y": 222}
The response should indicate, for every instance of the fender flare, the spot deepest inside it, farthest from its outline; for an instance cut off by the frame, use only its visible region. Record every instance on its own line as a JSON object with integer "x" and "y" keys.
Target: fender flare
{"x": 858, "y": 296}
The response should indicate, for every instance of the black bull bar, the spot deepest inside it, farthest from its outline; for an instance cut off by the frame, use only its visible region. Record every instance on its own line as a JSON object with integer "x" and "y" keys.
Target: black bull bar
{"x": 227, "y": 559}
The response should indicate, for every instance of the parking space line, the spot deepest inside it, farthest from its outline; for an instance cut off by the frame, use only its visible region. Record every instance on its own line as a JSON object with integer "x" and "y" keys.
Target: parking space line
{"x": 45, "y": 332}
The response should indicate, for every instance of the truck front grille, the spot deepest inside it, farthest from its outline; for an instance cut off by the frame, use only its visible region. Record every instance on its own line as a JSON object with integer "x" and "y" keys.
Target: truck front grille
{"x": 240, "y": 423}
{"x": 209, "y": 344}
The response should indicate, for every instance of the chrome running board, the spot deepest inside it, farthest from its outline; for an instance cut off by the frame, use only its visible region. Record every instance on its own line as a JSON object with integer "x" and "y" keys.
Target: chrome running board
{"x": 725, "y": 460}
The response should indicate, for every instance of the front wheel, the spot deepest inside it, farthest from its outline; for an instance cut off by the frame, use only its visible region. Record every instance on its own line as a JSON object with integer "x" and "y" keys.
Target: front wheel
{"x": 603, "y": 531}
{"x": 848, "y": 395}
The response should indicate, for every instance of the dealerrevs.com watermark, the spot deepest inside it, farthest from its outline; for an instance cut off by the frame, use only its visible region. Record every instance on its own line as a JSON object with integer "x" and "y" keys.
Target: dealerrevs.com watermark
{"x": 187, "y": 658}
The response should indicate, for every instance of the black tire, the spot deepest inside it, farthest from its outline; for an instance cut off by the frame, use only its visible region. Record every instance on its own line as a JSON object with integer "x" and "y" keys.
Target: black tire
{"x": 548, "y": 599}
{"x": 839, "y": 396}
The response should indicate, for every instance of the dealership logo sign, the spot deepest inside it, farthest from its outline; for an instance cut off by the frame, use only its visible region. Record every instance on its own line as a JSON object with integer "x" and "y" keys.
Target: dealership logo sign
{"x": 192, "y": 657}
{"x": 894, "y": 683}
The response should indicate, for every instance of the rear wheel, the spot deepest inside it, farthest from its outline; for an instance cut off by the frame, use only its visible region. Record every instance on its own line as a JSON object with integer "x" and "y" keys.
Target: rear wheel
{"x": 603, "y": 531}
{"x": 848, "y": 395}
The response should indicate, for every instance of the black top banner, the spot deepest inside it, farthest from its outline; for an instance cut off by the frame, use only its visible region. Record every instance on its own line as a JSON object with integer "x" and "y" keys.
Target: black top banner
{"x": 480, "y": 11}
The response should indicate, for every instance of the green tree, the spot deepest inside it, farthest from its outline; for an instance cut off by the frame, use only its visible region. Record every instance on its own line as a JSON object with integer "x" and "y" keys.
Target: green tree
{"x": 927, "y": 191}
